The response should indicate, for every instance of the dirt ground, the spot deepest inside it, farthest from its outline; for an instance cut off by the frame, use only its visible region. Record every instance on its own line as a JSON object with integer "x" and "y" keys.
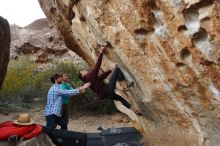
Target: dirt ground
{"x": 82, "y": 122}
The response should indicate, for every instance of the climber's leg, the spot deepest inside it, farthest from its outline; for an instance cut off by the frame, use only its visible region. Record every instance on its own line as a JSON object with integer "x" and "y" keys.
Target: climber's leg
{"x": 117, "y": 75}
{"x": 117, "y": 97}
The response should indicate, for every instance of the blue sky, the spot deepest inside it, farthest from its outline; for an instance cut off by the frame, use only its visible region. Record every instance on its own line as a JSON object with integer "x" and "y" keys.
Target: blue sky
{"x": 21, "y": 12}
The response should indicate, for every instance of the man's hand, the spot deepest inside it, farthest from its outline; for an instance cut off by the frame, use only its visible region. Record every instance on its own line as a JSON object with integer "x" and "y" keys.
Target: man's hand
{"x": 86, "y": 85}
{"x": 74, "y": 85}
{"x": 113, "y": 66}
{"x": 101, "y": 50}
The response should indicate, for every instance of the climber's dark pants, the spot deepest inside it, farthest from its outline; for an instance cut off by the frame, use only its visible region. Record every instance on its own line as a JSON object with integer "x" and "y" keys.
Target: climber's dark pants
{"x": 116, "y": 75}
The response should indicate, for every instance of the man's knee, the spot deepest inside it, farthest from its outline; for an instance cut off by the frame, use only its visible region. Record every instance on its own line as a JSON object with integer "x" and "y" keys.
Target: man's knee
{"x": 121, "y": 76}
{"x": 51, "y": 122}
{"x": 115, "y": 70}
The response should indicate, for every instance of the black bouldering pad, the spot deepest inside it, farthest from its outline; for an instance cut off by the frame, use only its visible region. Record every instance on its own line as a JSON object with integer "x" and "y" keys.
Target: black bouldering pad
{"x": 67, "y": 138}
{"x": 126, "y": 136}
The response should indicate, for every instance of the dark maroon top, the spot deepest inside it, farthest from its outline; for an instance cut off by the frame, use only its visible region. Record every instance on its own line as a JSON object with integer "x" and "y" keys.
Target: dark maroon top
{"x": 97, "y": 84}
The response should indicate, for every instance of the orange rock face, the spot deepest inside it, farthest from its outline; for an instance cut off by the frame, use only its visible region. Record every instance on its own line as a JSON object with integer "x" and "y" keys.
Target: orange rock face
{"x": 170, "y": 48}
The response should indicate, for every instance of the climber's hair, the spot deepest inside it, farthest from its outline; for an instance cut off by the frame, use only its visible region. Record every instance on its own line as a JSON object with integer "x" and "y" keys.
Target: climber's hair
{"x": 55, "y": 77}
{"x": 80, "y": 75}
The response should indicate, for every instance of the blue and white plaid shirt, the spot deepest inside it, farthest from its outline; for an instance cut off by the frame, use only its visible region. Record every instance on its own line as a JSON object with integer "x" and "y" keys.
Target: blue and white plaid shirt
{"x": 54, "y": 99}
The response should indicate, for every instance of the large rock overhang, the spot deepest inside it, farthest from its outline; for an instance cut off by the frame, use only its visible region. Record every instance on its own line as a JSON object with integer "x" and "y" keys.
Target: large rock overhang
{"x": 170, "y": 48}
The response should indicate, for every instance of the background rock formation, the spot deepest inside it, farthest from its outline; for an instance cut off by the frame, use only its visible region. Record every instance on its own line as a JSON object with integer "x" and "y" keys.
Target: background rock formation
{"x": 170, "y": 48}
{"x": 41, "y": 42}
{"x": 5, "y": 40}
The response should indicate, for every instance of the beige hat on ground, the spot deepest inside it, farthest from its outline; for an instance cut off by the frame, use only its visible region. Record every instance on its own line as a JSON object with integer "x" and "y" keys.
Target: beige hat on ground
{"x": 24, "y": 119}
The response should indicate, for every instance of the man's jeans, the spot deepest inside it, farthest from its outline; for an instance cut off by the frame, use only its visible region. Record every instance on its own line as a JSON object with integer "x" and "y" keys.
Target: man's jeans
{"x": 53, "y": 121}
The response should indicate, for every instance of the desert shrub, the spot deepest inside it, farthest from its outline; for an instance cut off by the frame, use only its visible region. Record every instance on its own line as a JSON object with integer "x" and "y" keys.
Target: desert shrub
{"x": 89, "y": 102}
{"x": 24, "y": 82}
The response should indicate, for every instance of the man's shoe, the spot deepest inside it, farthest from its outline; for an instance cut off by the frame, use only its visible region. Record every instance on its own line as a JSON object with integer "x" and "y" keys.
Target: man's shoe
{"x": 139, "y": 113}
{"x": 129, "y": 85}
{"x": 136, "y": 111}
{"x": 12, "y": 138}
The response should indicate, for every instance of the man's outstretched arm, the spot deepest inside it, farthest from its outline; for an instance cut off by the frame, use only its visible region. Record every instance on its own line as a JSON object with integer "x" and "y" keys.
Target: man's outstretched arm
{"x": 64, "y": 92}
{"x": 95, "y": 70}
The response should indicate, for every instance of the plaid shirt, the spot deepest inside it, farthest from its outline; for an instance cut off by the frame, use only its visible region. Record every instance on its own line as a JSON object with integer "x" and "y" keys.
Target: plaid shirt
{"x": 54, "y": 99}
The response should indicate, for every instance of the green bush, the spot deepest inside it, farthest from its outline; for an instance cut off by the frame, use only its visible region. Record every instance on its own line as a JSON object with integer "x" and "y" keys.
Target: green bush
{"x": 24, "y": 82}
